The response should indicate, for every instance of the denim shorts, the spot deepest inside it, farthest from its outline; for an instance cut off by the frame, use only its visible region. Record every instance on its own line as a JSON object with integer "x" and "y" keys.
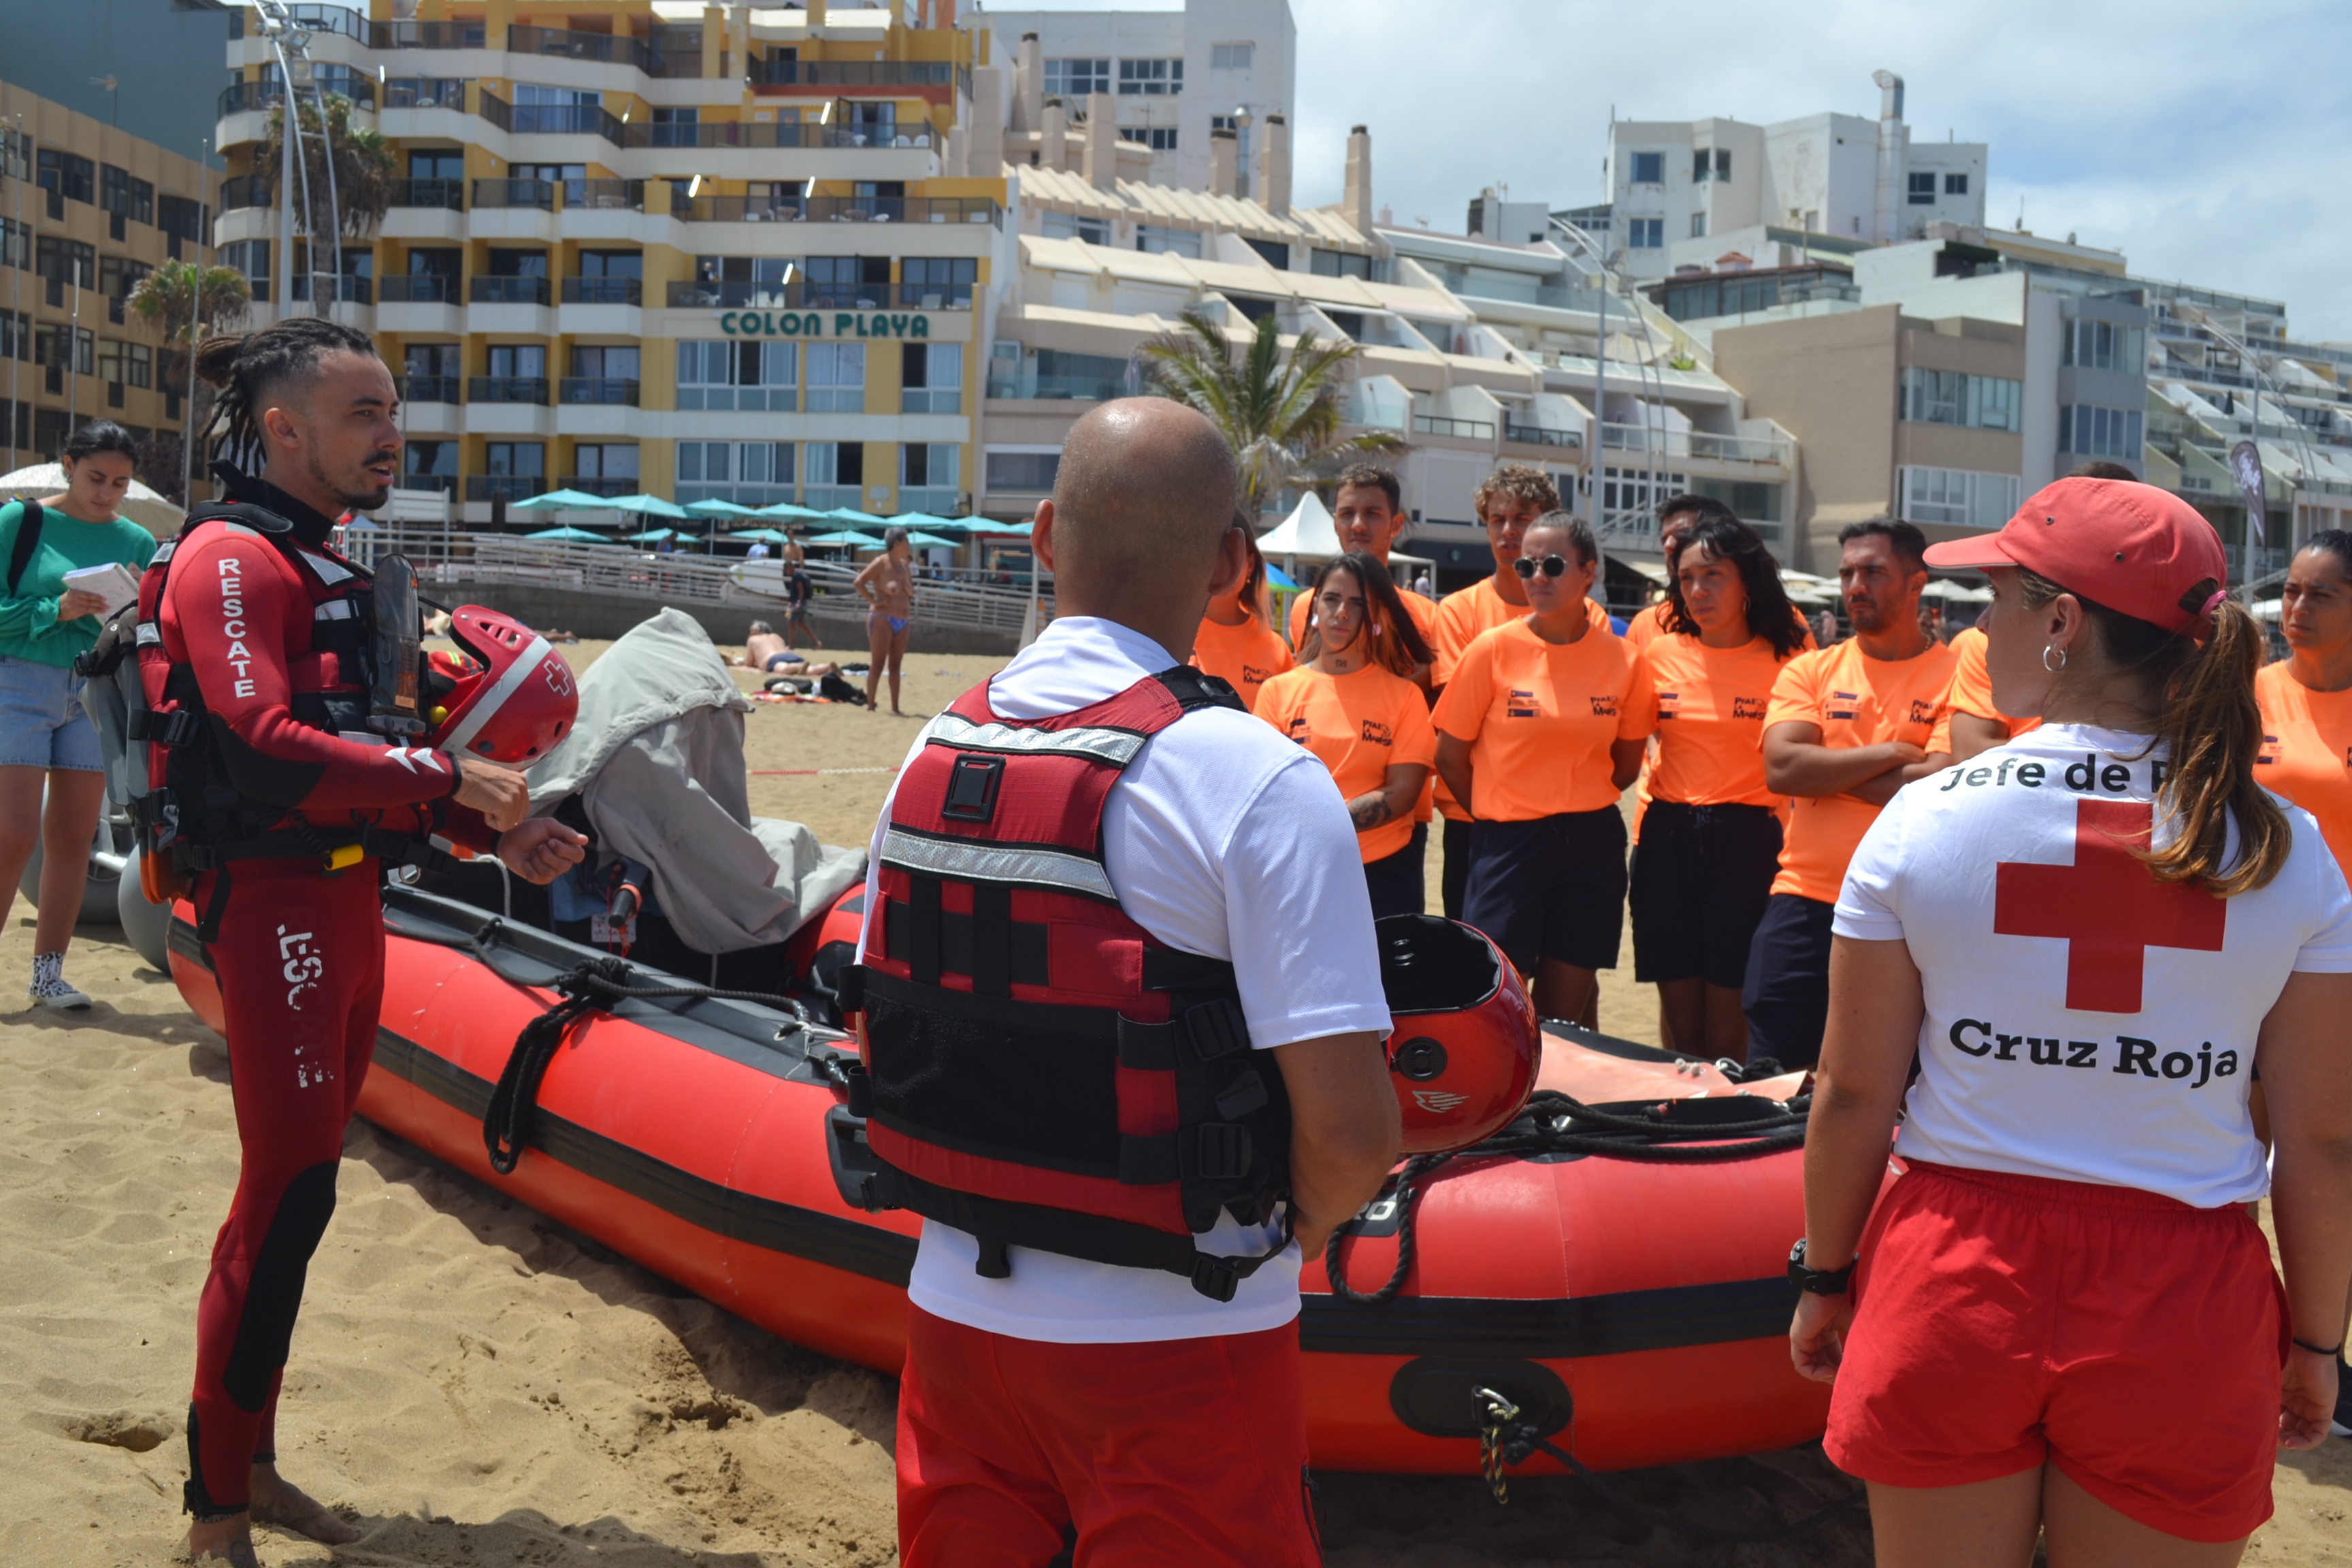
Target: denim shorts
{"x": 42, "y": 724}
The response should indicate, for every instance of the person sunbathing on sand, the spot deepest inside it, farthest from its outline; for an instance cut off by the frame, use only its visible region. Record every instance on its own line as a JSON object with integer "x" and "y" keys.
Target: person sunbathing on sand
{"x": 764, "y": 650}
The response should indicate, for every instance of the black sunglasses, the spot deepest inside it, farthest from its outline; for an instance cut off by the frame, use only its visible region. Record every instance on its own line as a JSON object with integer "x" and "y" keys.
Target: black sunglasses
{"x": 1553, "y": 566}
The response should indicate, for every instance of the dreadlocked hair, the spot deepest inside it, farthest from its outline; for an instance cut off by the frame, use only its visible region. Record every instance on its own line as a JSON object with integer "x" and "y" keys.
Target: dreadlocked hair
{"x": 2209, "y": 731}
{"x": 247, "y": 369}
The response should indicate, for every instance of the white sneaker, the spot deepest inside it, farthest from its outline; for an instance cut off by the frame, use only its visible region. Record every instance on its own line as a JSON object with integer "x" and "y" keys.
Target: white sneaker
{"x": 49, "y": 988}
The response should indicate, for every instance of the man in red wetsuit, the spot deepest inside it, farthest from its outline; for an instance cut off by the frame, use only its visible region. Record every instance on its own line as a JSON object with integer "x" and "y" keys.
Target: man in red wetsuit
{"x": 254, "y": 611}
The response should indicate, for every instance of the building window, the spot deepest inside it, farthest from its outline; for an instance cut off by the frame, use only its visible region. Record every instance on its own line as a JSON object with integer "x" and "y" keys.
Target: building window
{"x": 837, "y": 474}
{"x": 930, "y": 378}
{"x": 837, "y": 378}
{"x": 15, "y": 244}
{"x": 434, "y": 462}
{"x": 1276, "y": 252}
{"x": 1754, "y": 502}
{"x": 930, "y": 282}
{"x": 120, "y": 193}
{"x": 749, "y": 473}
{"x": 133, "y": 365}
{"x": 594, "y": 462}
{"x": 16, "y": 156}
{"x": 1922, "y": 190}
{"x": 517, "y": 459}
{"x": 16, "y": 335}
{"x": 2104, "y": 345}
{"x": 1231, "y": 57}
{"x": 1645, "y": 233}
{"x": 67, "y": 177}
{"x": 1959, "y": 497}
{"x": 1158, "y": 138}
{"x": 1649, "y": 168}
{"x": 1953, "y": 398}
{"x": 2096, "y": 432}
{"x": 518, "y": 362}
{"x": 117, "y": 275}
{"x": 1710, "y": 163}
{"x": 1339, "y": 264}
{"x": 1153, "y": 79}
{"x": 66, "y": 261}
{"x": 1698, "y": 226}
{"x": 1069, "y": 226}
{"x": 848, "y": 282}
{"x": 1023, "y": 473}
{"x": 1070, "y": 78}
{"x": 736, "y": 375}
{"x": 251, "y": 258}
{"x": 1634, "y": 489}
{"x": 1956, "y": 185}
{"x": 931, "y": 466}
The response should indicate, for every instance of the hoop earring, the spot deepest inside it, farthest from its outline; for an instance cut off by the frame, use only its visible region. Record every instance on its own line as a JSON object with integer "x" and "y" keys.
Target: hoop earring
{"x": 2058, "y": 669}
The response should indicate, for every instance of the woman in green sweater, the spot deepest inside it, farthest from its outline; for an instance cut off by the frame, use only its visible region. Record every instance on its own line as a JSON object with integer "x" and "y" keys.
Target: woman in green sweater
{"x": 45, "y": 738}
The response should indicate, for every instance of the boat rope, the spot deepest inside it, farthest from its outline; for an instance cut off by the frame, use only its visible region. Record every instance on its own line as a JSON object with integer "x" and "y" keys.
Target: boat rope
{"x": 589, "y": 986}
{"x": 1504, "y": 1440}
{"x": 1703, "y": 1130}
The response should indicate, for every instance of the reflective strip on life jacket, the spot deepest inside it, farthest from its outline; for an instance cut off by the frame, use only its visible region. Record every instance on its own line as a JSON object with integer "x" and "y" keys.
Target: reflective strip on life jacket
{"x": 1116, "y": 747}
{"x": 1011, "y": 864}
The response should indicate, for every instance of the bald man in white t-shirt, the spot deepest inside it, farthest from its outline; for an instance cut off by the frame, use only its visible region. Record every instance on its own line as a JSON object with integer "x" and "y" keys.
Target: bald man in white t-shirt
{"x": 1047, "y": 1396}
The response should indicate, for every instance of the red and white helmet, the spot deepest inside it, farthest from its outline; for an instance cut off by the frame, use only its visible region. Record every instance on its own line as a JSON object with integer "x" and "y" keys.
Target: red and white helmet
{"x": 1468, "y": 1043}
{"x": 515, "y": 697}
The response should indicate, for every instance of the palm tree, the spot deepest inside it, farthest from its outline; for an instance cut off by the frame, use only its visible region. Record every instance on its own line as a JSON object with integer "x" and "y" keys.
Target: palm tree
{"x": 181, "y": 302}
{"x": 364, "y": 164}
{"x": 1280, "y": 414}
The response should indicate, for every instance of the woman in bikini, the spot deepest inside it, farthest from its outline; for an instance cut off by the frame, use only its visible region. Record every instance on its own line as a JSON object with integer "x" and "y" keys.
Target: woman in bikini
{"x": 887, "y": 587}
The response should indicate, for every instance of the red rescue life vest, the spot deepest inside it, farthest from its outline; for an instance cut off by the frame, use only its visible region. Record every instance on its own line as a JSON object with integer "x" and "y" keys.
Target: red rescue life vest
{"x": 1039, "y": 1070}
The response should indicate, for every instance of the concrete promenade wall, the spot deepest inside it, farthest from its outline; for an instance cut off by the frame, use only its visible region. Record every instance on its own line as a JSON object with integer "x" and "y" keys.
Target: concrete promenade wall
{"x": 606, "y": 615}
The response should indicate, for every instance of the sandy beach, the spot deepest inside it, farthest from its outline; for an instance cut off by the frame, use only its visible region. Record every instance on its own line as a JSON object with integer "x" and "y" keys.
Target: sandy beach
{"x": 471, "y": 1384}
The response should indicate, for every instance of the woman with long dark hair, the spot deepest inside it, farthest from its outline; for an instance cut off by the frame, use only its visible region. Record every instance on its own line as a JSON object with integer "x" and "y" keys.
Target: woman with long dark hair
{"x": 1354, "y": 704}
{"x": 47, "y": 740}
{"x": 1710, "y": 836}
{"x": 2062, "y": 1322}
{"x": 1237, "y": 642}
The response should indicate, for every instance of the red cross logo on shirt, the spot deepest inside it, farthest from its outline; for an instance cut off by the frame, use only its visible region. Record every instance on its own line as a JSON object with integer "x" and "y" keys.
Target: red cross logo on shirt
{"x": 2107, "y": 905}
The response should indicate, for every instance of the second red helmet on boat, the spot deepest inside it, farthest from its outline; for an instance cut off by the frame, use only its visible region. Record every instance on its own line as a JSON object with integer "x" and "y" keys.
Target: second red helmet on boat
{"x": 1467, "y": 1044}
{"x": 515, "y": 697}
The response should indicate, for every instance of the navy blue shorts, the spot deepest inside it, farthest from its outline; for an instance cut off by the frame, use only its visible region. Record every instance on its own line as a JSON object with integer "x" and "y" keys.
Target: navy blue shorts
{"x": 1395, "y": 882}
{"x": 1701, "y": 877}
{"x": 1551, "y": 887}
{"x": 1787, "y": 994}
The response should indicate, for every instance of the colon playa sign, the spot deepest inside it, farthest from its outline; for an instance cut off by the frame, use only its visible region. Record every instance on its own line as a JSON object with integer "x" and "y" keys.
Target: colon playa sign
{"x": 813, "y": 324}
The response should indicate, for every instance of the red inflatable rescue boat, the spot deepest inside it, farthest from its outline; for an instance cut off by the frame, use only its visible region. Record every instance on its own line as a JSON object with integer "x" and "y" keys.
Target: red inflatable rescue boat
{"x": 1621, "y": 1279}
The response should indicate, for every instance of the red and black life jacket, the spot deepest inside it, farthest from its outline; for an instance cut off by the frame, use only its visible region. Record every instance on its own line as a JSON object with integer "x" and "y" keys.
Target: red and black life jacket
{"x": 1040, "y": 1070}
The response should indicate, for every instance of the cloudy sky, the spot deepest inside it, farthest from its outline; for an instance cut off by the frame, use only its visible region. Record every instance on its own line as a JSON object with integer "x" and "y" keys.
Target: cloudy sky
{"x": 2207, "y": 143}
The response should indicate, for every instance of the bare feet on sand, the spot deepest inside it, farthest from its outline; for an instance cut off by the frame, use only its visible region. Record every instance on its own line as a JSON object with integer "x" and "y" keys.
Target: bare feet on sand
{"x": 278, "y": 1502}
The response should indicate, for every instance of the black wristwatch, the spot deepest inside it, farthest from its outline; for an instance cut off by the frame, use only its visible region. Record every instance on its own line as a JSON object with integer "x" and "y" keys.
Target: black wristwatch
{"x": 1819, "y": 1281}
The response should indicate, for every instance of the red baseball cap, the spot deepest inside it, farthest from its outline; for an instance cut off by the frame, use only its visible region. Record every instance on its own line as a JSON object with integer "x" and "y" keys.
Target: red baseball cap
{"x": 2132, "y": 547}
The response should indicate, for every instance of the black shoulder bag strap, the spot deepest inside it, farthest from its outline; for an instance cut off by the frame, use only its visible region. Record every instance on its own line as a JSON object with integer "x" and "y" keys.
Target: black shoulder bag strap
{"x": 29, "y": 539}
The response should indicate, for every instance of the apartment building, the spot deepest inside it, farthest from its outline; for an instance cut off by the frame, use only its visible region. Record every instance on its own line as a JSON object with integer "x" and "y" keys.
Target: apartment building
{"x": 87, "y": 210}
{"x": 1681, "y": 193}
{"x": 640, "y": 244}
{"x": 1176, "y": 79}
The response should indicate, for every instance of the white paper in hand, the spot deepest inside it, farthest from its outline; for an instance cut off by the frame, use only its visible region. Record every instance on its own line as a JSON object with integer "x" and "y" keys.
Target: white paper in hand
{"x": 114, "y": 582}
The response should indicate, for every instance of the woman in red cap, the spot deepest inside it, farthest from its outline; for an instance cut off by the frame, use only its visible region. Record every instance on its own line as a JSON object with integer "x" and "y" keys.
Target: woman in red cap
{"x": 2061, "y": 1318}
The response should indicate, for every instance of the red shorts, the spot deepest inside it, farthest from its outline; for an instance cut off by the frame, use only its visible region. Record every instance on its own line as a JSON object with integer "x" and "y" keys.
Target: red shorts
{"x": 1174, "y": 1453}
{"x": 2005, "y": 1322}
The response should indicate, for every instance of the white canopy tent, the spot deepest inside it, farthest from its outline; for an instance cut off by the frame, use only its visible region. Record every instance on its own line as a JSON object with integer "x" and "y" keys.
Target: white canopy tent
{"x": 1307, "y": 531}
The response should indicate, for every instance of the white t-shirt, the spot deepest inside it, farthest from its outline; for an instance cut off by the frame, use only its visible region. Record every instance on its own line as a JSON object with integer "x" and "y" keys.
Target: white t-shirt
{"x": 2084, "y": 1021}
{"x": 1223, "y": 839}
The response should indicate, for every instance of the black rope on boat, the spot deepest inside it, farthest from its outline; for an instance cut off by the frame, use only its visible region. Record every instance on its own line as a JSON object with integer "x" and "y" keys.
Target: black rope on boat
{"x": 590, "y": 986}
{"x": 1554, "y": 1124}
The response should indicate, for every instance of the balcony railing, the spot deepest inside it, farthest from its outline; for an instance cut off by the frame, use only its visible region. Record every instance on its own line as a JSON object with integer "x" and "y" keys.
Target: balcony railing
{"x": 239, "y": 97}
{"x": 246, "y": 191}
{"x": 323, "y": 19}
{"x": 450, "y": 194}
{"x": 426, "y": 388}
{"x": 424, "y": 92}
{"x": 565, "y": 43}
{"x": 423, "y": 34}
{"x": 347, "y": 289}
{"x": 603, "y": 290}
{"x": 1540, "y": 435}
{"x": 1460, "y": 429}
{"x": 931, "y": 400}
{"x": 844, "y": 296}
{"x": 1055, "y": 388}
{"x": 762, "y": 135}
{"x": 506, "y": 487}
{"x": 484, "y": 290}
{"x": 507, "y": 389}
{"x": 836, "y": 209}
{"x": 609, "y": 390}
{"x": 860, "y": 73}
{"x": 539, "y": 193}
{"x": 418, "y": 288}
{"x": 730, "y": 296}
{"x": 602, "y": 484}
{"x": 443, "y": 483}
{"x": 936, "y": 296}
{"x": 1694, "y": 444}
{"x": 799, "y": 292}
{"x": 606, "y": 195}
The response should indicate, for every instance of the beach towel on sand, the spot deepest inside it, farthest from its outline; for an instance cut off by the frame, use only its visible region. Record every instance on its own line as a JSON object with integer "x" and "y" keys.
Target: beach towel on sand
{"x": 657, "y": 760}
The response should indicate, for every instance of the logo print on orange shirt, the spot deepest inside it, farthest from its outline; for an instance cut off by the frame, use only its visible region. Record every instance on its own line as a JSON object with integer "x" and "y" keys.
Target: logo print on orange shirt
{"x": 1604, "y": 708}
{"x": 1669, "y": 705}
{"x": 1377, "y": 733}
{"x": 2107, "y": 905}
{"x": 1853, "y": 700}
{"x": 1745, "y": 707}
{"x": 1253, "y": 676}
{"x": 1922, "y": 711}
{"x": 1522, "y": 705}
{"x": 2270, "y": 753}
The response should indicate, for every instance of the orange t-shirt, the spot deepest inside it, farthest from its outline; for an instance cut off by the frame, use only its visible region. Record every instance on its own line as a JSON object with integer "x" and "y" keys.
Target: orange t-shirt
{"x": 1651, "y": 624}
{"x": 1248, "y": 655}
{"x": 1541, "y": 717}
{"x": 2306, "y": 753}
{"x": 1709, "y": 703}
{"x": 1854, "y": 701}
{"x": 1424, "y": 614}
{"x": 1972, "y": 692}
{"x": 1359, "y": 725}
{"x": 1462, "y": 616}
